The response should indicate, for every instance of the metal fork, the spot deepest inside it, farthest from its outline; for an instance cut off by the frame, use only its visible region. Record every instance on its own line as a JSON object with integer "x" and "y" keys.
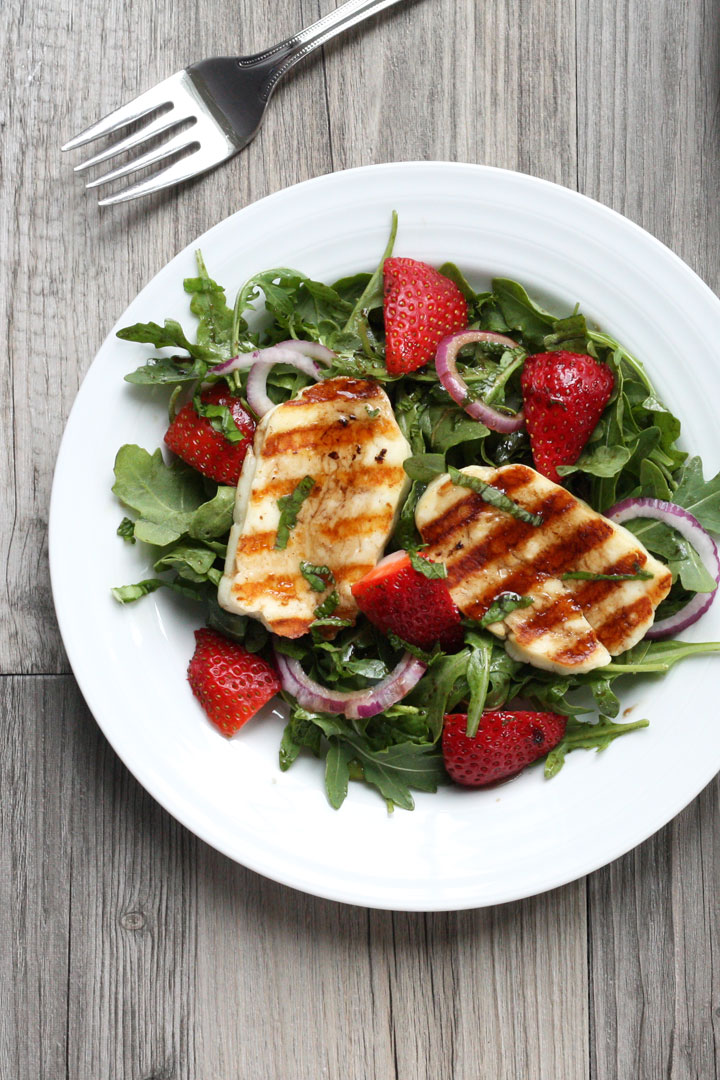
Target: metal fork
{"x": 225, "y": 99}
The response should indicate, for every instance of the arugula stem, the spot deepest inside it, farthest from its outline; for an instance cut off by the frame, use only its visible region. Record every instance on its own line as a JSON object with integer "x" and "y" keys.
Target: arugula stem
{"x": 350, "y": 326}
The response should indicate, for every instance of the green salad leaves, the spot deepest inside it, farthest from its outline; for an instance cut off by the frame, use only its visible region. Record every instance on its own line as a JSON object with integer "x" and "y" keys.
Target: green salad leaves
{"x": 182, "y": 520}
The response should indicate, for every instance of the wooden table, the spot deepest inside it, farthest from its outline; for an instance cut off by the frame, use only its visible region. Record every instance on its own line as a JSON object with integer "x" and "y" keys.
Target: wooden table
{"x": 130, "y": 950}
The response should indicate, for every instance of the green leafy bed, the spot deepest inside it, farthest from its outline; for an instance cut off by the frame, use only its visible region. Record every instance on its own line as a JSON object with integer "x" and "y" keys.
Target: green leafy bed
{"x": 185, "y": 518}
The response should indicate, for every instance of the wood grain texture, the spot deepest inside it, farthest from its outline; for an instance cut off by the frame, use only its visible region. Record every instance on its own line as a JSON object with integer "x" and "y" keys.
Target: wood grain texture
{"x": 129, "y": 949}
{"x": 648, "y": 92}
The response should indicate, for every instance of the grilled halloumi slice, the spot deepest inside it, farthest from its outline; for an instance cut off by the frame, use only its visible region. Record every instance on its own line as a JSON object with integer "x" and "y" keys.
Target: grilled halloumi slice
{"x": 343, "y": 434}
{"x": 572, "y": 626}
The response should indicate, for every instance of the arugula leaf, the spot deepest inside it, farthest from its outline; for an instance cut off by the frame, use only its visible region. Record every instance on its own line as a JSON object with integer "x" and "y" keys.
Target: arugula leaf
{"x": 126, "y": 529}
{"x": 192, "y": 561}
{"x": 657, "y": 656}
{"x": 167, "y": 370}
{"x": 127, "y": 594}
{"x": 424, "y": 467}
{"x": 166, "y": 497}
{"x": 585, "y": 736}
{"x": 420, "y": 654}
{"x": 478, "y": 677}
{"x": 396, "y": 769}
{"x": 372, "y": 294}
{"x": 431, "y": 570}
{"x": 337, "y": 772}
{"x": 520, "y": 313}
{"x": 213, "y": 518}
{"x": 494, "y": 496}
{"x": 215, "y": 319}
{"x": 289, "y": 506}
{"x": 700, "y": 497}
{"x": 169, "y": 336}
{"x": 502, "y": 605}
{"x": 599, "y": 461}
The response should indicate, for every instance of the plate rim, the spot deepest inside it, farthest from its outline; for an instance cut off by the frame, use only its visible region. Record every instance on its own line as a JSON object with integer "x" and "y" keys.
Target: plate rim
{"x": 178, "y": 808}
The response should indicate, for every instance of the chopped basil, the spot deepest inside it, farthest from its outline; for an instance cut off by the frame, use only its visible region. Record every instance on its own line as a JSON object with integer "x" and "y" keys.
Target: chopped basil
{"x": 428, "y": 569}
{"x": 328, "y": 606}
{"x": 494, "y": 496}
{"x": 503, "y": 605}
{"x": 289, "y": 506}
{"x": 319, "y": 578}
{"x": 586, "y": 575}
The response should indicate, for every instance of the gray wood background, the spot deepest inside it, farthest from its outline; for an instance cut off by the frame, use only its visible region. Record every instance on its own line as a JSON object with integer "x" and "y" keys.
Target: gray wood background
{"x": 130, "y": 950}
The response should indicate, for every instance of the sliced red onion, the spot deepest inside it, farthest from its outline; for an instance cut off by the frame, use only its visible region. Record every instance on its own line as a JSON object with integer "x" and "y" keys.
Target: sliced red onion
{"x": 255, "y": 391}
{"x": 356, "y": 704}
{"x": 689, "y": 527}
{"x": 285, "y": 352}
{"x": 299, "y": 354}
{"x": 457, "y": 388}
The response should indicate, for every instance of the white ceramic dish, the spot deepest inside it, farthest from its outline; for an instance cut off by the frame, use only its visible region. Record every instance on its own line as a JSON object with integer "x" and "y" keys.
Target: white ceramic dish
{"x": 458, "y": 849}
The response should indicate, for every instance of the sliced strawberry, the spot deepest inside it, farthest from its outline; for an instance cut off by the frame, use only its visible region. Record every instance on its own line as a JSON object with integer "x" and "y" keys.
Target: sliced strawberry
{"x": 504, "y": 744}
{"x": 564, "y": 396}
{"x": 230, "y": 683}
{"x": 421, "y": 307}
{"x": 194, "y": 439}
{"x": 399, "y": 599}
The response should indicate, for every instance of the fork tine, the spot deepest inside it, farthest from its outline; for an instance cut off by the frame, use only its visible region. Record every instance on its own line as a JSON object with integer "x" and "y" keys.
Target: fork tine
{"x": 193, "y": 165}
{"x": 155, "y": 127}
{"x": 182, "y": 141}
{"x": 149, "y": 101}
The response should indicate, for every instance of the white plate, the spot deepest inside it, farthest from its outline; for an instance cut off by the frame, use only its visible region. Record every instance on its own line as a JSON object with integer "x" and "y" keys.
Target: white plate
{"x": 458, "y": 849}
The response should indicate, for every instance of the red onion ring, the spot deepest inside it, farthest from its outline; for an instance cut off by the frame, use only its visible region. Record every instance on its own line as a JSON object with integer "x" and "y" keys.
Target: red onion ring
{"x": 300, "y": 354}
{"x": 690, "y": 528}
{"x": 356, "y": 704}
{"x": 457, "y": 388}
{"x": 285, "y": 352}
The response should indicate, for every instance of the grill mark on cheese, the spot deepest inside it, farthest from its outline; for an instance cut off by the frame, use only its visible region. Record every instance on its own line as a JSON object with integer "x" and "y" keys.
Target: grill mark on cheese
{"x": 507, "y": 536}
{"x": 340, "y": 389}
{"x": 547, "y": 619}
{"x": 343, "y": 529}
{"x": 355, "y": 459}
{"x": 588, "y": 593}
{"x": 256, "y": 543}
{"x": 278, "y": 586}
{"x": 620, "y": 624}
{"x": 358, "y": 476}
{"x": 334, "y": 436}
{"x": 581, "y": 649}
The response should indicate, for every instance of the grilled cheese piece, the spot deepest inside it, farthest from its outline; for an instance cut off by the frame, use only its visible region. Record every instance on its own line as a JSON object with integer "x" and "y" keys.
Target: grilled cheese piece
{"x": 343, "y": 434}
{"x": 572, "y": 626}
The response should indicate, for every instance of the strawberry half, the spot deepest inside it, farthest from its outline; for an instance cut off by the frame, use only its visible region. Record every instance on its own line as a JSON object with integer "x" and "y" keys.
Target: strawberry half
{"x": 421, "y": 307}
{"x": 504, "y": 744}
{"x": 564, "y": 395}
{"x": 230, "y": 683}
{"x": 195, "y": 440}
{"x": 399, "y": 599}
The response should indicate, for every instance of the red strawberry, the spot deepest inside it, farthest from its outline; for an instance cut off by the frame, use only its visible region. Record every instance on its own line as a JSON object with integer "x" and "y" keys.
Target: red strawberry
{"x": 564, "y": 395}
{"x": 505, "y": 743}
{"x": 421, "y": 307}
{"x": 399, "y": 599}
{"x": 194, "y": 439}
{"x": 230, "y": 683}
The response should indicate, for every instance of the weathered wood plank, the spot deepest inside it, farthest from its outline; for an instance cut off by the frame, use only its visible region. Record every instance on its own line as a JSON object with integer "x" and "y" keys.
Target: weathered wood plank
{"x": 648, "y": 146}
{"x": 134, "y": 950}
{"x": 654, "y": 932}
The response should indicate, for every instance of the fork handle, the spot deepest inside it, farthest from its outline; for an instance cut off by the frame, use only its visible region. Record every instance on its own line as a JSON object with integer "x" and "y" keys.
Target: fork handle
{"x": 281, "y": 57}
